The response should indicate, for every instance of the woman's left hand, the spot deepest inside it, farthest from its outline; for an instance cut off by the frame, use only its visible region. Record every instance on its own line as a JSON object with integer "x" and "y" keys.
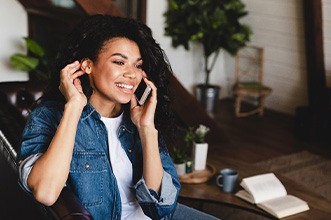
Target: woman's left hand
{"x": 143, "y": 116}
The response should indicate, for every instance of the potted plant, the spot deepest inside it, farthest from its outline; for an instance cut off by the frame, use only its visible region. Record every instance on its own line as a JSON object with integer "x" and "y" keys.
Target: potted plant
{"x": 179, "y": 154}
{"x": 200, "y": 147}
{"x": 179, "y": 158}
{"x": 215, "y": 25}
{"x": 35, "y": 62}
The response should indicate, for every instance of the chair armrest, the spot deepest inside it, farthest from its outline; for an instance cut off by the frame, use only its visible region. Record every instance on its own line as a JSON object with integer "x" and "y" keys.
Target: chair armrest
{"x": 68, "y": 207}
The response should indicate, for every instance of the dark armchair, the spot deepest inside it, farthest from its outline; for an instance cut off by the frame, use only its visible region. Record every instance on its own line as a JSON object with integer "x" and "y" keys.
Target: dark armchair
{"x": 16, "y": 100}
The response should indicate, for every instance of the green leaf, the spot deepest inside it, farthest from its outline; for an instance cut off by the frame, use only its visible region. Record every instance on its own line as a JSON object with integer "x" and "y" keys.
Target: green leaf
{"x": 213, "y": 23}
{"x": 34, "y": 47}
{"x": 173, "y": 5}
{"x": 23, "y": 62}
{"x": 178, "y": 155}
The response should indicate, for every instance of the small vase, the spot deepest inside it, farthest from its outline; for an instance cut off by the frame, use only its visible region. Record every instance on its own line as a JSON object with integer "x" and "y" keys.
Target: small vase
{"x": 199, "y": 154}
{"x": 180, "y": 168}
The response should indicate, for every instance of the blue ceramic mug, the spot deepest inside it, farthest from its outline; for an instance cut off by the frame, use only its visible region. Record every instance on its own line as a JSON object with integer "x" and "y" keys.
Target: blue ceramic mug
{"x": 227, "y": 179}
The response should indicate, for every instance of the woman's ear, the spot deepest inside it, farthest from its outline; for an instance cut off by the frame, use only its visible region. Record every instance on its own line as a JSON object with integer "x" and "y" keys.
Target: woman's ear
{"x": 86, "y": 65}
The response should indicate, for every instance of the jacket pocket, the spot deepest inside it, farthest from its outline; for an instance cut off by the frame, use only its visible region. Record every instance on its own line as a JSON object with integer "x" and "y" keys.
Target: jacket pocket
{"x": 87, "y": 176}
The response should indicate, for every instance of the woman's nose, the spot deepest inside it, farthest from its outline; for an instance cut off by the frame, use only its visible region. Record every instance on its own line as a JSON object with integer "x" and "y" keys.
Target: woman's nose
{"x": 130, "y": 73}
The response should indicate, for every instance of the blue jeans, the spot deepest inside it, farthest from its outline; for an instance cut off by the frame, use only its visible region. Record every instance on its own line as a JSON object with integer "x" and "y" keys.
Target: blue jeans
{"x": 185, "y": 212}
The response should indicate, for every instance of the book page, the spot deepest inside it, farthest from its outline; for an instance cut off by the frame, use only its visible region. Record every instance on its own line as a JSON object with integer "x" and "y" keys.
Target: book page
{"x": 264, "y": 187}
{"x": 284, "y": 206}
{"x": 245, "y": 196}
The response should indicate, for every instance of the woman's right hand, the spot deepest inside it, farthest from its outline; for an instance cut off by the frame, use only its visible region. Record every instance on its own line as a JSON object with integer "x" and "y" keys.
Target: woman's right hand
{"x": 70, "y": 85}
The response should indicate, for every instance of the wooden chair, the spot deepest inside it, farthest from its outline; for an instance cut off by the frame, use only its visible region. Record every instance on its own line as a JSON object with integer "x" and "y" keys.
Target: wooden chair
{"x": 249, "y": 80}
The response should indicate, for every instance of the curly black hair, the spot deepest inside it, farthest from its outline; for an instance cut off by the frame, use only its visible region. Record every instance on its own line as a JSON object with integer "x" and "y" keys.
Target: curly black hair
{"x": 88, "y": 39}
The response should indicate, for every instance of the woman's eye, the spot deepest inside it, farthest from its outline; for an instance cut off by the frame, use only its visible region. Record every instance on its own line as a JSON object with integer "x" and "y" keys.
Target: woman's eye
{"x": 139, "y": 66}
{"x": 118, "y": 62}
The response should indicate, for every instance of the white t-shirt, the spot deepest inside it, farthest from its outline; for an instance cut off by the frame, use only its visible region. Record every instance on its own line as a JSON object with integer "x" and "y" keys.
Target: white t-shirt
{"x": 122, "y": 169}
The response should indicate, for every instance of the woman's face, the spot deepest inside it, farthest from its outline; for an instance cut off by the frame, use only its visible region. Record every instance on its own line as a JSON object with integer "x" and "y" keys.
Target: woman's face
{"x": 117, "y": 72}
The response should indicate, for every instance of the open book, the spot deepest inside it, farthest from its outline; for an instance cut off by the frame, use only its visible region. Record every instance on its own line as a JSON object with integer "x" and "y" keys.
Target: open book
{"x": 268, "y": 193}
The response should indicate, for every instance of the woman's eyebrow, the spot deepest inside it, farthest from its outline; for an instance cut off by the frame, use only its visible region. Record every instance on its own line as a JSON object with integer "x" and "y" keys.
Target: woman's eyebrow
{"x": 123, "y": 56}
{"x": 119, "y": 54}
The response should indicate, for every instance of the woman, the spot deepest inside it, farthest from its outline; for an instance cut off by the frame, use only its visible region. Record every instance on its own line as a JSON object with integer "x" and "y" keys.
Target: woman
{"x": 89, "y": 133}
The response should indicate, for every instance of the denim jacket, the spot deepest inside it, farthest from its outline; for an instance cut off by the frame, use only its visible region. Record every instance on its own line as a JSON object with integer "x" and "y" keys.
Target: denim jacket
{"x": 91, "y": 177}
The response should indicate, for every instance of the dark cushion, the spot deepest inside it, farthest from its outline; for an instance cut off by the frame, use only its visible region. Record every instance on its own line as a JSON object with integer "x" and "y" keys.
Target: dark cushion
{"x": 17, "y": 100}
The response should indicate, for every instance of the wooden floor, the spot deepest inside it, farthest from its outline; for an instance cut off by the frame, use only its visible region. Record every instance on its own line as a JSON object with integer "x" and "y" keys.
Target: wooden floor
{"x": 254, "y": 138}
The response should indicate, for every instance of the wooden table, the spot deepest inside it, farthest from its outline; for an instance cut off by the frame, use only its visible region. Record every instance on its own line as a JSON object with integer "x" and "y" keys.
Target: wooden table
{"x": 320, "y": 208}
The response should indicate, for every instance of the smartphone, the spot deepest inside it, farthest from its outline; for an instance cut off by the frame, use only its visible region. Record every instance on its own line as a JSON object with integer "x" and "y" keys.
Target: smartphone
{"x": 142, "y": 92}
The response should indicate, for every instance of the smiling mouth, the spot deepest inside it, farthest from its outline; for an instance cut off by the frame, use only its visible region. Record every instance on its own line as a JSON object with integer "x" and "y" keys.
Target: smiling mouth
{"x": 125, "y": 86}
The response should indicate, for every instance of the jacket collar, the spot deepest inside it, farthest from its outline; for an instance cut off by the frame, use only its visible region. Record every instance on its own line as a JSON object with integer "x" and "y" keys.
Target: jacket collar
{"x": 127, "y": 124}
{"x": 88, "y": 111}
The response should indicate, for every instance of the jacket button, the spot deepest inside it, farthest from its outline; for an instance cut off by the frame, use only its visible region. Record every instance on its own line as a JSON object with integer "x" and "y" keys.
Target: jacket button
{"x": 130, "y": 150}
{"x": 87, "y": 166}
{"x": 123, "y": 129}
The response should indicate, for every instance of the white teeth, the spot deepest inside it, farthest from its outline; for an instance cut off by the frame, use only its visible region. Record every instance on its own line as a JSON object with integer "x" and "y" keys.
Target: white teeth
{"x": 124, "y": 86}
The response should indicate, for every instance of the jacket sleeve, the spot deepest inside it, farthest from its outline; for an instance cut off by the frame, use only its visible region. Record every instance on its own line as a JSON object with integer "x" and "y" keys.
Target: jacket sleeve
{"x": 158, "y": 206}
{"x": 38, "y": 132}
{"x": 25, "y": 169}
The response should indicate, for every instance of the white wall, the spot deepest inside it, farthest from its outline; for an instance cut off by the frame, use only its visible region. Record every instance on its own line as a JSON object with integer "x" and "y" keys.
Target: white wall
{"x": 187, "y": 65}
{"x": 13, "y": 23}
{"x": 327, "y": 38}
{"x": 277, "y": 26}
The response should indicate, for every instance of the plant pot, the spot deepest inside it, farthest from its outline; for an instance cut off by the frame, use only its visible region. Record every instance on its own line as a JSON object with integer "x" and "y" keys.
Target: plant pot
{"x": 180, "y": 168}
{"x": 199, "y": 155}
{"x": 208, "y": 96}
